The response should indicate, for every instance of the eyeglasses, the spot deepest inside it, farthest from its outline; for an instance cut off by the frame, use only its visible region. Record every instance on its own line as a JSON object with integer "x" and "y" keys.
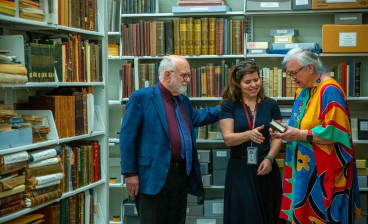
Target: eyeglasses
{"x": 243, "y": 64}
{"x": 293, "y": 74}
{"x": 184, "y": 76}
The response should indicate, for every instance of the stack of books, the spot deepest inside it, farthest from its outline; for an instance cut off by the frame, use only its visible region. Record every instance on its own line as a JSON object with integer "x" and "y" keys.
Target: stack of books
{"x": 31, "y": 10}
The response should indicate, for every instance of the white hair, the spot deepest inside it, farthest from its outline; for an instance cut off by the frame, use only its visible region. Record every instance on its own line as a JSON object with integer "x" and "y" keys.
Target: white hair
{"x": 304, "y": 57}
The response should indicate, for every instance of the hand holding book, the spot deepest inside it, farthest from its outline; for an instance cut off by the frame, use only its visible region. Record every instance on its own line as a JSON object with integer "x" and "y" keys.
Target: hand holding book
{"x": 276, "y": 126}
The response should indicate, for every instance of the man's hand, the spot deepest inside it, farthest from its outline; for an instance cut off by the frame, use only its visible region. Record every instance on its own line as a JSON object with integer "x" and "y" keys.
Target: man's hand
{"x": 132, "y": 185}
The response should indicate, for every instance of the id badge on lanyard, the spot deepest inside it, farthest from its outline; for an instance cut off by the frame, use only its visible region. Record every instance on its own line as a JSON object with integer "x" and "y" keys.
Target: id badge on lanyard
{"x": 252, "y": 152}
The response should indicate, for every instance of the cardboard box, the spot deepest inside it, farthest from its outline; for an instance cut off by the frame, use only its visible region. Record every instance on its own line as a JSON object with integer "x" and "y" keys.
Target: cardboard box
{"x": 361, "y": 163}
{"x": 301, "y": 4}
{"x": 214, "y": 208}
{"x": 263, "y": 5}
{"x": 15, "y": 138}
{"x": 338, "y": 4}
{"x": 348, "y": 18}
{"x": 344, "y": 38}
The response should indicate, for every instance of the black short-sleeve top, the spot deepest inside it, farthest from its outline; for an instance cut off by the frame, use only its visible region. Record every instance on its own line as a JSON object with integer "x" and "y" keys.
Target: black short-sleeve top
{"x": 266, "y": 111}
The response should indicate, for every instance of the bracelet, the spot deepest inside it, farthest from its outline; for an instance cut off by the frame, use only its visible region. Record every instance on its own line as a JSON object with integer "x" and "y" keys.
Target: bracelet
{"x": 270, "y": 158}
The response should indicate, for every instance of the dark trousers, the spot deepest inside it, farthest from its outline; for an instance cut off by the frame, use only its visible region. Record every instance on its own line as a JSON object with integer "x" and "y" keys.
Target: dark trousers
{"x": 169, "y": 205}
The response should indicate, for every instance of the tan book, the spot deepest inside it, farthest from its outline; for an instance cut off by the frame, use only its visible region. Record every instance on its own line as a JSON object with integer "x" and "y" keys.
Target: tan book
{"x": 210, "y": 80}
{"x": 236, "y": 37}
{"x": 13, "y": 69}
{"x": 176, "y": 30}
{"x": 275, "y": 82}
{"x": 11, "y": 183}
{"x": 204, "y": 81}
{"x": 197, "y": 36}
{"x": 189, "y": 36}
{"x": 160, "y": 38}
{"x": 15, "y": 190}
{"x": 13, "y": 78}
{"x": 280, "y": 162}
{"x": 204, "y": 36}
{"x": 219, "y": 42}
{"x": 44, "y": 170}
{"x": 183, "y": 36}
{"x": 211, "y": 36}
{"x": 153, "y": 40}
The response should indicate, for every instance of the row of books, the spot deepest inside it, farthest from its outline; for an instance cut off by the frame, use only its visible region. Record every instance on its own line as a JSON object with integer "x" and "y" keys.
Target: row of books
{"x": 79, "y": 208}
{"x": 32, "y": 178}
{"x": 277, "y": 83}
{"x": 82, "y": 164}
{"x": 138, "y": 6}
{"x": 74, "y": 60}
{"x": 347, "y": 73}
{"x": 71, "y": 108}
{"x": 183, "y": 36}
{"x": 77, "y": 13}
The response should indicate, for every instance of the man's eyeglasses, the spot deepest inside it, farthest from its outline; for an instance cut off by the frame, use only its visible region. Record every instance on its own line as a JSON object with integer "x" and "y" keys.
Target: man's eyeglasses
{"x": 184, "y": 76}
{"x": 294, "y": 73}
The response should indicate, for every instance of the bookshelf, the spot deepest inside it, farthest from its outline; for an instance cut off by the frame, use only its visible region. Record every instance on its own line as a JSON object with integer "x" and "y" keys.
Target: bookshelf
{"x": 18, "y": 93}
{"x": 257, "y": 26}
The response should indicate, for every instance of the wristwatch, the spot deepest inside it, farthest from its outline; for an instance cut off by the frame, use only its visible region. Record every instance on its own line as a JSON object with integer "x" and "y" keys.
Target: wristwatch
{"x": 309, "y": 136}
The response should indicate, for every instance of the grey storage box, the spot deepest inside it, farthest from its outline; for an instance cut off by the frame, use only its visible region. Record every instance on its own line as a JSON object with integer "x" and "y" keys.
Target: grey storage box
{"x": 195, "y": 210}
{"x": 192, "y": 199}
{"x": 220, "y": 158}
{"x": 349, "y": 18}
{"x": 301, "y": 4}
{"x": 218, "y": 177}
{"x": 214, "y": 208}
{"x": 263, "y": 5}
{"x": 362, "y": 181}
{"x": 204, "y": 156}
{"x": 284, "y": 32}
{"x": 130, "y": 213}
{"x": 203, "y": 220}
{"x": 205, "y": 168}
{"x": 207, "y": 180}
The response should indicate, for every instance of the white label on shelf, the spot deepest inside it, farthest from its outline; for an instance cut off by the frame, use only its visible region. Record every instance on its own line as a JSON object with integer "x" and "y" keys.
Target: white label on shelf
{"x": 256, "y": 51}
{"x": 270, "y": 4}
{"x": 218, "y": 208}
{"x": 334, "y": 1}
{"x": 282, "y": 39}
{"x": 301, "y": 2}
{"x": 349, "y": 18}
{"x": 291, "y": 45}
{"x": 135, "y": 211}
{"x": 206, "y": 221}
{"x": 199, "y": 156}
{"x": 364, "y": 125}
{"x": 348, "y": 39}
{"x": 221, "y": 154}
{"x": 281, "y": 31}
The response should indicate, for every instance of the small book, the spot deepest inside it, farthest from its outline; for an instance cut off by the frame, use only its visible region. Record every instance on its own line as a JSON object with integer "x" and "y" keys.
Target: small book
{"x": 276, "y": 126}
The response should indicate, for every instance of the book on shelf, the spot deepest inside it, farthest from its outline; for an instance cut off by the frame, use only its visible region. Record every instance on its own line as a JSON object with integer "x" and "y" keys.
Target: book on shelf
{"x": 190, "y": 36}
{"x": 8, "y": 7}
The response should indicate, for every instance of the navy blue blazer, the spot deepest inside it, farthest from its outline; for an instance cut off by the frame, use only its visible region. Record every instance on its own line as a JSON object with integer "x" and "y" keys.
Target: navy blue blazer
{"x": 145, "y": 144}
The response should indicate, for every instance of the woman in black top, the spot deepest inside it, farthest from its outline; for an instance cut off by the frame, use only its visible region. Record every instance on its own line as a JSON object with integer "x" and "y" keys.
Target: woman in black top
{"x": 253, "y": 181}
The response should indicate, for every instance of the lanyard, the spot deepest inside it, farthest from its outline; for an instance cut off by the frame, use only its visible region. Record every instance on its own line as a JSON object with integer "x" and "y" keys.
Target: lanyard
{"x": 251, "y": 126}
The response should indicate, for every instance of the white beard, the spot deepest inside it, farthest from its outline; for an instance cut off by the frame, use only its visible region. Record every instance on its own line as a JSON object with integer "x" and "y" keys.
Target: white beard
{"x": 178, "y": 86}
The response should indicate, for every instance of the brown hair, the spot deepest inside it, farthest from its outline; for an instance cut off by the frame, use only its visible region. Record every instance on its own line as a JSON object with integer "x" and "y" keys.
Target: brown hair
{"x": 232, "y": 90}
